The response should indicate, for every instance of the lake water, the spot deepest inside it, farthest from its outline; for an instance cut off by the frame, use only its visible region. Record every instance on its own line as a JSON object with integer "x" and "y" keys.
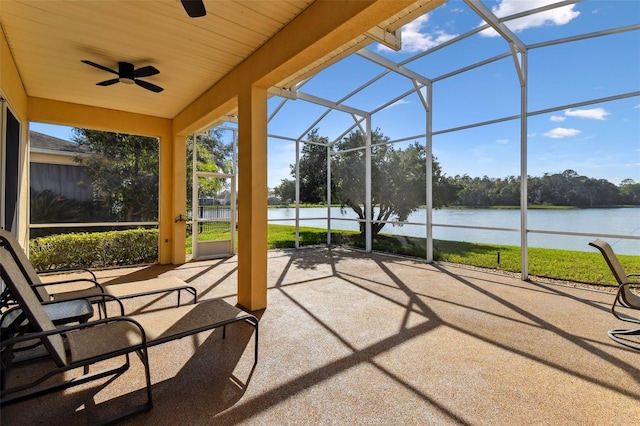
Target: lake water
{"x": 614, "y": 221}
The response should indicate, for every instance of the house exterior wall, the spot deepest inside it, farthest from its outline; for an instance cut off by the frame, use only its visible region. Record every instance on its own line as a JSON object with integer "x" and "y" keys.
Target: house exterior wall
{"x": 15, "y": 98}
{"x": 70, "y": 182}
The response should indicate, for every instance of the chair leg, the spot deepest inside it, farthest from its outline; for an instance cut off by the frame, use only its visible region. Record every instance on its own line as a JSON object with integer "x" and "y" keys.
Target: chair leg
{"x": 623, "y": 337}
{"x": 143, "y": 355}
{"x": 145, "y": 361}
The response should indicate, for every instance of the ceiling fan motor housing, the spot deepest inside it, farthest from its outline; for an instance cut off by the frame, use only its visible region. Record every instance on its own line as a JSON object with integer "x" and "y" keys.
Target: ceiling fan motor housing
{"x": 125, "y": 72}
{"x": 129, "y": 75}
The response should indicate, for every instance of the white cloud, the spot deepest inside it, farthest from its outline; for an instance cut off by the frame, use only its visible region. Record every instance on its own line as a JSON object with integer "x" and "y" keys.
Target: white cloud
{"x": 637, "y": 106}
{"x": 399, "y": 102}
{"x": 561, "y": 133}
{"x": 559, "y": 16}
{"x": 557, "y": 118}
{"x": 414, "y": 40}
{"x": 592, "y": 114}
{"x": 502, "y": 141}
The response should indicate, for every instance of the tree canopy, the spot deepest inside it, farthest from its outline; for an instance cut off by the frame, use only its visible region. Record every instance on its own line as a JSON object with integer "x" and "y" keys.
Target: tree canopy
{"x": 213, "y": 155}
{"x": 398, "y": 177}
{"x": 124, "y": 173}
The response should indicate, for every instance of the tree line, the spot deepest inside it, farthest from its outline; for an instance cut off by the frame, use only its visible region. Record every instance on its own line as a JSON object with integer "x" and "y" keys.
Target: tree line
{"x": 552, "y": 189}
{"x": 397, "y": 172}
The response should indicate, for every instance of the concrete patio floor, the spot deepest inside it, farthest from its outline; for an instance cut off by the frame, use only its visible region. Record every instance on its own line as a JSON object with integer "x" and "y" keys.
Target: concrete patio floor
{"x": 351, "y": 338}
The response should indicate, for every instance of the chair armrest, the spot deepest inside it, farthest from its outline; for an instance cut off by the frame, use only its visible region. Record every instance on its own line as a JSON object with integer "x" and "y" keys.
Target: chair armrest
{"x": 627, "y": 298}
{"x": 93, "y": 278}
{"x": 68, "y": 328}
{"x": 13, "y": 315}
{"x": 94, "y": 299}
{"x": 53, "y": 271}
{"x": 93, "y": 282}
{"x": 634, "y": 275}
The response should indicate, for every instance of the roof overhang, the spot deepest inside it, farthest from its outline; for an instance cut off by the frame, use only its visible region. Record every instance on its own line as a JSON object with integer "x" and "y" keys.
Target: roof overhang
{"x": 202, "y": 61}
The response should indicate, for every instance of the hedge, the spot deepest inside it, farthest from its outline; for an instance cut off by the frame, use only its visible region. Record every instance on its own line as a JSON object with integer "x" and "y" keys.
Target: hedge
{"x": 95, "y": 249}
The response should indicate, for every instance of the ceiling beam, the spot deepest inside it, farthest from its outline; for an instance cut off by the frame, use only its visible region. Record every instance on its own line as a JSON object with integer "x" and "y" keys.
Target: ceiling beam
{"x": 84, "y": 116}
{"x": 391, "y": 39}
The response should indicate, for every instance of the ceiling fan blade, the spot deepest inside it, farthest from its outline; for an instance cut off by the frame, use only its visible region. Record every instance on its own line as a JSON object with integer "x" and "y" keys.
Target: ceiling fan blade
{"x": 146, "y": 71}
{"x": 93, "y": 64}
{"x": 149, "y": 86}
{"x": 194, "y": 8}
{"x": 108, "y": 82}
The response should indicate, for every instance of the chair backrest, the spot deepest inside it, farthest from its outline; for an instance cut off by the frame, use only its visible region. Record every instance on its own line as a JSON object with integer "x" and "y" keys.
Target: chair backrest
{"x": 26, "y": 298}
{"x": 611, "y": 259}
{"x": 9, "y": 241}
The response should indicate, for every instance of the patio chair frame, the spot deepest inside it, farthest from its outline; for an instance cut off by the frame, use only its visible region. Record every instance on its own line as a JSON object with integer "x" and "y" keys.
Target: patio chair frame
{"x": 96, "y": 290}
{"x": 53, "y": 339}
{"x": 624, "y": 296}
{"x": 95, "y": 341}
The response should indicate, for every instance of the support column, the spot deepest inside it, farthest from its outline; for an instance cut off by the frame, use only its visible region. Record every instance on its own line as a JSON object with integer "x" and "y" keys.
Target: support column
{"x": 172, "y": 199}
{"x": 178, "y": 201}
{"x": 427, "y": 101}
{"x": 524, "y": 197}
{"x": 368, "y": 203}
{"x": 252, "y": 198}
{"x": 165, "y": 199}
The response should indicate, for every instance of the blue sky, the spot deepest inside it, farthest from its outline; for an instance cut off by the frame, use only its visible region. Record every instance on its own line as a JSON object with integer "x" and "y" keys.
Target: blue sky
{"x": 599, "y": 140}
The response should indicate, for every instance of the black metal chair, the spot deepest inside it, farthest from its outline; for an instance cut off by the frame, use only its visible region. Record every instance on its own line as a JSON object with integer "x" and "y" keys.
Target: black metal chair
{"x": 93, "y": 290}
{"x": 625, "y": 298}
{"x": 86, "y": 344}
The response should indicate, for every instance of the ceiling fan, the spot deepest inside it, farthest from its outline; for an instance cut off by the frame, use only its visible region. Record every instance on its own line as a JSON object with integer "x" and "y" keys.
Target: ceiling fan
{"x": 129, "y": 75}
{"x": 194, "y": 8}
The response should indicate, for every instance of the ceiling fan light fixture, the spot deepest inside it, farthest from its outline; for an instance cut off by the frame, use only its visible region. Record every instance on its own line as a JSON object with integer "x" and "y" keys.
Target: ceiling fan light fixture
{"x": 127, "y": 74}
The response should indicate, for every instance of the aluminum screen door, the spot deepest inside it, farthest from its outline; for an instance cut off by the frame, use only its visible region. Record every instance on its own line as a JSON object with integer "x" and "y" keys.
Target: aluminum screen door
{"x": 214, "y": 219}
{"x": 214, "y": 211}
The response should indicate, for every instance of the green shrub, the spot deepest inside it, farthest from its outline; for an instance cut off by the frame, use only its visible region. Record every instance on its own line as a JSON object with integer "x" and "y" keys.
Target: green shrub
{"x": 95, "y": 249}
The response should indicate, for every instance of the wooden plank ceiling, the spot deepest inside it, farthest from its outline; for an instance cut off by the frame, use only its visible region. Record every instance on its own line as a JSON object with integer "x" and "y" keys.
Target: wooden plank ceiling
{"x": 49, "y": 39}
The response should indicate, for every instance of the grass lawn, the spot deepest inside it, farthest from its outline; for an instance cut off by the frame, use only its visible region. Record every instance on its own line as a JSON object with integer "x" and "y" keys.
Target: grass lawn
{"x": 578, "y": 266}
